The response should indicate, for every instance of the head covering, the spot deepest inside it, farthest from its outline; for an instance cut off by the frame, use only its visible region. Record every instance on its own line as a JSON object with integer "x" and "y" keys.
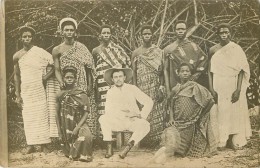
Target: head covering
{"x": 108, "y": 74}
{"x": 68, "y": 20}
{"x": 69, "y": 69}
{"x": 27, "y": 28}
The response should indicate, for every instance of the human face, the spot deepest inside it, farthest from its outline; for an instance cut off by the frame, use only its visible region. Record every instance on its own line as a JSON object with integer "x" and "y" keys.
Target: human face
{"x": 69, "y": 79}
{"x": 26, "y": 38}
{"x": 105, "y": 34}
{"x": 181, "y": 30}
{"x": 68, "y": 31}
{"x": 224, "y": 34}
{"x": 118, "y": 78}
{"x": 147, "y": 35}
{"x": 184, "y": 74}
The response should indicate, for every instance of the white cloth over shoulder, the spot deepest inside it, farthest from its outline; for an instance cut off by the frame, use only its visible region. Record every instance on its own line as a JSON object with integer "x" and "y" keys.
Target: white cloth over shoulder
{"x": 35, "y": 115}
{"x": 233, "y": 118}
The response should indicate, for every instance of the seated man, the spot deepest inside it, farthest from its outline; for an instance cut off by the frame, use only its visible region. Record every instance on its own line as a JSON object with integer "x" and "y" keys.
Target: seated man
{"x": 190, "y": 131}
{"x": 121, "y": 109}
{"x": 72, "y": 106}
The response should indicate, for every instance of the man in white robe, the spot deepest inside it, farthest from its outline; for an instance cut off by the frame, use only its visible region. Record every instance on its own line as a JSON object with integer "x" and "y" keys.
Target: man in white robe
{"x": 229, "y": 78}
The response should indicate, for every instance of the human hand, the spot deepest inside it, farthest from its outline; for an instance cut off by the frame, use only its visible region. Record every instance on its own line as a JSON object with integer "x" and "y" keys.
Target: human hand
{"x": 195, "y": 77}
{"x": 19, "y": 102}
{"x": 235, "y": 96}
{"x": 170, "y": 123}
{"x": 162, "y": 89}
{"x": 62, "y": 85}
{"x": 75, "y": 131}
{"x": 215, "y": 96}
{"x": 60, "y": 135}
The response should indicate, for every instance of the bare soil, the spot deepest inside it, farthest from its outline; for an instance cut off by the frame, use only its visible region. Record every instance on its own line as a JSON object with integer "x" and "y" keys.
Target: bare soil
{"x": 137, "y": 158}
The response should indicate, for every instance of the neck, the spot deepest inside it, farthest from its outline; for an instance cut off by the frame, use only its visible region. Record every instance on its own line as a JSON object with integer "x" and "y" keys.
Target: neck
{"x": 105, "y": 43}
{"x": 223, "y": 43}
{"x": 69, "y": 41}
{"x": 183, "y": 81}
{"x": 27, "y": 47}
{"x": 179, "y": 40}
{"x": 147, "y": 45}
{"x": 69, "y": 87}
{"x": 119, "y": 87}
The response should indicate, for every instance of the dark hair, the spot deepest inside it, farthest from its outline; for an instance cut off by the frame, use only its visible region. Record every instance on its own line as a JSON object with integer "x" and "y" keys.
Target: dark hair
{"x": 147, "y": 27}
{"x": 178, "y": 22}
{"x": 117, "y": 70}
{"x": 106, "y": 26}
{"x": 71, "y": 69}
{"x": 26, "y": 29}
{"x": 182, "y": 65}
{"x": 68, "y": 22}
{"x": 223, "y": 25}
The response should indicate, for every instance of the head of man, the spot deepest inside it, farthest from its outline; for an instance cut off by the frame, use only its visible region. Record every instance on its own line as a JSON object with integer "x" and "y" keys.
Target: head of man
{"x": 68, "y": 27}
{"x": 223, "y": 32}
{"x": 184, "y": 72}
{"x": 27, "y": 33}
{"x": 106, "y": 33}
{"x": 118, "y": 77}
{"x": 181, "y": 29}
{"x": 69, "y": 76}
{"x": 147, "y": 33}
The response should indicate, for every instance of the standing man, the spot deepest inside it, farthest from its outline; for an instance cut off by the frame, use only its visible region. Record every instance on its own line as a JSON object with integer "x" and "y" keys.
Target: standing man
{"x": 29, "y": 66}
{"x": 148, "y": 76}
{"x": 74, "y": 53}
{"x": 228, "y": 80}
{"x": 183, "y": 51}
{"x": 121, "y": 110}
{"x": 107, "y": 55}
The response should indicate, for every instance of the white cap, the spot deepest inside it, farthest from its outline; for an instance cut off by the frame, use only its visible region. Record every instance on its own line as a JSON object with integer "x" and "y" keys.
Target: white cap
{"x": 69, "y": 20}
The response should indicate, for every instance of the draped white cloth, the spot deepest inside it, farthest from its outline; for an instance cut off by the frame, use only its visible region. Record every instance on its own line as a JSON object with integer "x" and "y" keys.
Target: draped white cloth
{"x": 233, "y": 118}
{"x": 35, "y": 114}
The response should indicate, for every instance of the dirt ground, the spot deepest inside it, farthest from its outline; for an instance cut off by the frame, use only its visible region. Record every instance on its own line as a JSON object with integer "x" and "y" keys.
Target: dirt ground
{"x": 137, "y": 158}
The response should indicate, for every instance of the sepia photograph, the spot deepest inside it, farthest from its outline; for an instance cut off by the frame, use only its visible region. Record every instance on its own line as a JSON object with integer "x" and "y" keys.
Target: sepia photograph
{"x": 130, "y": 83}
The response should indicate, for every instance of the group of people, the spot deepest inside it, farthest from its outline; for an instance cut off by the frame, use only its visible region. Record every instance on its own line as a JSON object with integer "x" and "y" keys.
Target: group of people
{"x": 159, "y": 95}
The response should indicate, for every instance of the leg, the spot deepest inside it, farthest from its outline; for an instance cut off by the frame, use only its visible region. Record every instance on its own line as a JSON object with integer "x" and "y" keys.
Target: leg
{"x": 106, "y": 127}
{"x": 140, "y": 128}
{"x": 44, "y": 148}
{"x": 29, "y": 149}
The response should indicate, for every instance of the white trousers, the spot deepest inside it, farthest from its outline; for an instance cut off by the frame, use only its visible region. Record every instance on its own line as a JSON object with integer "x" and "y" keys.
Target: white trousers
{"x": 139, "y": 127}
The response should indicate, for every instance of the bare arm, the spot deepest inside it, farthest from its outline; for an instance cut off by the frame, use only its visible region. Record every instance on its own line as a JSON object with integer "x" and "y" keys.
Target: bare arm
{"x": 55, "y": 55}
{"x": 236, "y": 93}
{"x": 166, "y": 75}
{"x": 134, "y": 69}
{"x": 210, "y": 76}
{"x": 17, "y": 78}
{"x": 57, "y": 116}
{"x": 89, "y": 78}
{"x": 48, "y": 74}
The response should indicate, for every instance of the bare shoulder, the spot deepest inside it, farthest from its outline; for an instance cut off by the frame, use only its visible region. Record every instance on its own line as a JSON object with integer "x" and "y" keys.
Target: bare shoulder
{"x": 56, "y": 50}
{"x": 136, "y": 51}
{"x": 214, "y": 49}
{"x": 96, "y": 50}
{"x": 18, "y": 55}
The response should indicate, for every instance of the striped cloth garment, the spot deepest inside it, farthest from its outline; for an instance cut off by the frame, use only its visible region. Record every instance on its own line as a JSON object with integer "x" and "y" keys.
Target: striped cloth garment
{"x": 35, "y": 113}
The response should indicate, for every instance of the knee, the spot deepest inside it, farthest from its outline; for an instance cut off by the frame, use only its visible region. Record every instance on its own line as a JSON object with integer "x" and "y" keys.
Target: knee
{"x": 101, "y": 119}
{"x": 145, "y": 125}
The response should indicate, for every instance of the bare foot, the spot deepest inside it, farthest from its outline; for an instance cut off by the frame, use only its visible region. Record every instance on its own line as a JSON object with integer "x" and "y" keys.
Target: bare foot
{"x": 44, "y": 149}
{"x": 28, "y": 150}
